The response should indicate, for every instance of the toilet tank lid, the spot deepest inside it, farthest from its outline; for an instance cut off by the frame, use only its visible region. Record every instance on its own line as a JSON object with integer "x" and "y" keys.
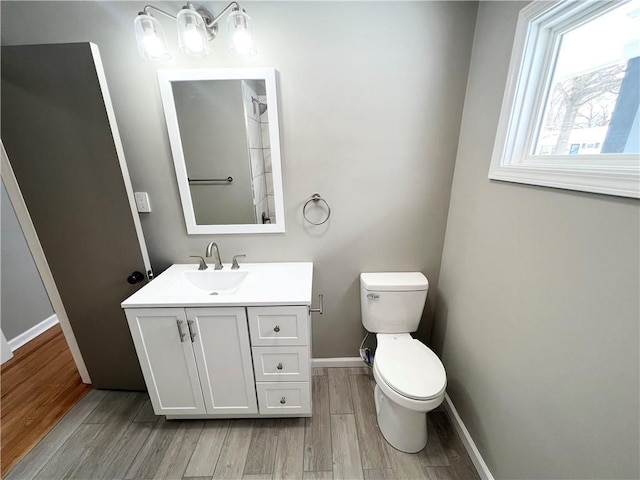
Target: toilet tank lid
{"x": 394, "y": 281}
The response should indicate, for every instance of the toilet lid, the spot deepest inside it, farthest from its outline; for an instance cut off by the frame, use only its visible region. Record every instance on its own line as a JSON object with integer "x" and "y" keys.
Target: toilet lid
{"x": 410, "y": 368}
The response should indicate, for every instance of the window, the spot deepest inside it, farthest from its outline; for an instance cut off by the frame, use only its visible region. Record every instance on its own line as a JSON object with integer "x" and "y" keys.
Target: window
{"x": 571, "y": 112}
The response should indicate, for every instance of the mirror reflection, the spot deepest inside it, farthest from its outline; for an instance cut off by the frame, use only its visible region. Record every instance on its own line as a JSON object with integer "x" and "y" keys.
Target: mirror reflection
{"x": 221, "y": 138}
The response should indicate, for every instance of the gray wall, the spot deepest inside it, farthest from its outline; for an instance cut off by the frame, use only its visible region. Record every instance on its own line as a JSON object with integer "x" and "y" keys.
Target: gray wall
{"x": 371, "y": 97}
{"x": 538, "y": 310}
{"x": 25, "y": 302}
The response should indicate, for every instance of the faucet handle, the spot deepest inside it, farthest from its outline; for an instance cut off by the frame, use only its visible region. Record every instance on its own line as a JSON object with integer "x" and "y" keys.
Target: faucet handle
{"x": 234, "y": 265}
{"x": 203, "y": 265}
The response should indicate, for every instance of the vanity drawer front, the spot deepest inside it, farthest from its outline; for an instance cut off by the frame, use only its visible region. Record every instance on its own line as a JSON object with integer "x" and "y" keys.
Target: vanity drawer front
{"x": 281, "y": 364}
{"x": 279, "y": 325}
{"x": 284, "y": 398}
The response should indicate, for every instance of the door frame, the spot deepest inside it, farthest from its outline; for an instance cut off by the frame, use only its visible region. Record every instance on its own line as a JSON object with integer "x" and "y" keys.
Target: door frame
{"x": 33, "y": 242}
{"x": 31, "y": 236}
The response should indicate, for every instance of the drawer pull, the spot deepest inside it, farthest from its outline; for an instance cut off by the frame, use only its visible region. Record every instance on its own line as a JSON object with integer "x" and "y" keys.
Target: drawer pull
{"x": 283, "y": 401}
{"x": 276, "y": 328}
{"x": 279, "y": 367}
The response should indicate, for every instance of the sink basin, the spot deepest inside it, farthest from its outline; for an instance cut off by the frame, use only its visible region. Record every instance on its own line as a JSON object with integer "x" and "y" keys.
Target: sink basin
{"x": 254, "y": 284}
{"x": 216, "y": 281}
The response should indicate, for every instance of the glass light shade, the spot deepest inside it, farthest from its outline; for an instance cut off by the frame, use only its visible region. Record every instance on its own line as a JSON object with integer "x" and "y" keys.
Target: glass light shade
{"x": 192, "y": 34}
{"x": 240, "y": 36}
{"x": 152, "y": 43}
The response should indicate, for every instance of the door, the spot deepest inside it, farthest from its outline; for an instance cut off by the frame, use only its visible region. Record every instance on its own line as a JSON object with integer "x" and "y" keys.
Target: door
{"x": 223, "y": 355}
{"x": 60, "y": 135}
{"x": 163, "y": 343}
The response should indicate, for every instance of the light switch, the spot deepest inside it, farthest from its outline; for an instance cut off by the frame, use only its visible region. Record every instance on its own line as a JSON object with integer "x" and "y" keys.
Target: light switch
{"x": 142, "y": 202}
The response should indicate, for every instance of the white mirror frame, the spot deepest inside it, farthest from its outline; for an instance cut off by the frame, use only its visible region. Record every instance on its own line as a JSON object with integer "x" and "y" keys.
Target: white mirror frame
{"x": 165, "y": 77}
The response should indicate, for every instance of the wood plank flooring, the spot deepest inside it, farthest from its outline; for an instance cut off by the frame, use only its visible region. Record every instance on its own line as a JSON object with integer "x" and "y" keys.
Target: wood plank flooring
{"x": 114, "y": 435}
{"x": 40, "y": 384}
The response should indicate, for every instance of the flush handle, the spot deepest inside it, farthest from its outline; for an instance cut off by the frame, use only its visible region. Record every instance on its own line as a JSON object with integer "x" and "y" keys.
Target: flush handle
{"x": 372, "y": 296}
{"x": 279, "y": 367}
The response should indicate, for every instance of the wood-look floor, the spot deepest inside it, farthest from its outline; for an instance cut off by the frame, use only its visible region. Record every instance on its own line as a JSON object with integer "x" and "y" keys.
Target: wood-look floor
{"x": 115, "y": 435}
{"x": 40, "y": 384}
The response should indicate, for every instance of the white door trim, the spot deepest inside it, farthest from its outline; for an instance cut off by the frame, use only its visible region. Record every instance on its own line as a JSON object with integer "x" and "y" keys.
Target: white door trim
{"x": 15, "y": 195}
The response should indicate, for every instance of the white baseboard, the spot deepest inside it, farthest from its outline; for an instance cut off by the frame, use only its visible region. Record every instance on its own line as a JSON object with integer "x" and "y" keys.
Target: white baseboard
{"x": 337, "y": 362}
{"x": 468, "y": 442}
{"x": 33, "y": 332}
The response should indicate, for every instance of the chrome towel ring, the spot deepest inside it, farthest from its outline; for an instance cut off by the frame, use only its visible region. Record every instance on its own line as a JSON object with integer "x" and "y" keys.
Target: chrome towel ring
{"x": 315, "y": 198}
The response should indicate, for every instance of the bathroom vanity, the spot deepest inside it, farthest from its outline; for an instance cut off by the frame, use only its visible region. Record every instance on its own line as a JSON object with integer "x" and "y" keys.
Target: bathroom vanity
{"x": 226, "y": 343}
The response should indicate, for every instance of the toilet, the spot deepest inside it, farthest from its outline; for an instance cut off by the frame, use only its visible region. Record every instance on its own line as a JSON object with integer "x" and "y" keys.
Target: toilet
{"x": 410, "y": 378}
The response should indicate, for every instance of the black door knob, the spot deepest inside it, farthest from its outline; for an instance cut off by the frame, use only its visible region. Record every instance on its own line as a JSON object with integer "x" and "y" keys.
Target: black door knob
{"x": 135, "y": 277}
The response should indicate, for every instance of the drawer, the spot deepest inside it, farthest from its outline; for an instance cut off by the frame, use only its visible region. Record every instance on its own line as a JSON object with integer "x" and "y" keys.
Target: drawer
{"x": 274, "y": 326}
{"x": 284, "y": 398}
{"x": 281, "y": 364}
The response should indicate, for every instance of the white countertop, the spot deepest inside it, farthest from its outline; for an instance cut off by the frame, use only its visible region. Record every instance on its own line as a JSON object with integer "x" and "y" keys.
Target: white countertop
{"x": 287, "y": 283}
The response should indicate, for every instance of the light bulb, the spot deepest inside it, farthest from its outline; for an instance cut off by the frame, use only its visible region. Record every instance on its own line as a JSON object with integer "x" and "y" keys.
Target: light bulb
{"x": 242, "y": 42}
{"x": 192, "y": 35}
{"x": 150, "y": 38}
{"x": 240, "y": 37}
{"x": 193, "y": 39}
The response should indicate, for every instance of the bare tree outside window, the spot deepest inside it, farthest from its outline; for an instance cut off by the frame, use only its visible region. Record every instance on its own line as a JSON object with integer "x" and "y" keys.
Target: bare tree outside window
{"x": 583, "y": 102}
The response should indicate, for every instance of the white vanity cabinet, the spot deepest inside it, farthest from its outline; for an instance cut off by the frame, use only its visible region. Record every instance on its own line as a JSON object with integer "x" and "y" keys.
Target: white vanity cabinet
{"x": 195, "y": 360}
{"x": 226, "y": 343}
{"x": 202, "y": 362}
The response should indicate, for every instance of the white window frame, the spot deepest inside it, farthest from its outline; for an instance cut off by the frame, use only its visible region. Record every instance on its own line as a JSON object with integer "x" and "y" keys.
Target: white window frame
{"x": 538, "y": 31}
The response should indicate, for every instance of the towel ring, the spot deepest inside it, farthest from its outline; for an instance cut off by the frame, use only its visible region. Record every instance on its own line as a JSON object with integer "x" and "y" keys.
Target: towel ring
{"x": 315, "y": 198}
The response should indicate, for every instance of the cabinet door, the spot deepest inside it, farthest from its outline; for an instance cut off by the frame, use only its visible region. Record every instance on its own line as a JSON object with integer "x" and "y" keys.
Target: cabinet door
{"x": 163, "y": 344}
{"x": 223, "y": 354}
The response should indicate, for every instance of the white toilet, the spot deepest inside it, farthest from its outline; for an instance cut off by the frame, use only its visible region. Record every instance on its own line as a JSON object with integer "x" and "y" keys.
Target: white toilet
{"x": 410, "y": 378}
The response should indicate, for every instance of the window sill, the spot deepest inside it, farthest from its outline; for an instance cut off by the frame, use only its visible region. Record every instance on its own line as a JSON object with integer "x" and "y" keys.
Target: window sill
{"x": 622, "y": 181}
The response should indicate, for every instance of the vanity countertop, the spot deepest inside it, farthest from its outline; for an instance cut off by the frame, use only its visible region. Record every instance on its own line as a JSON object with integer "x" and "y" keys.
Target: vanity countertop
{"x": 286, "y": 283}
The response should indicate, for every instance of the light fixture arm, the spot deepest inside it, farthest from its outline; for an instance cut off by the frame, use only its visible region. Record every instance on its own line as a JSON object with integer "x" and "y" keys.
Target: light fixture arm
{"x": 146, "y": 9}
{"x": 214, "y": 19}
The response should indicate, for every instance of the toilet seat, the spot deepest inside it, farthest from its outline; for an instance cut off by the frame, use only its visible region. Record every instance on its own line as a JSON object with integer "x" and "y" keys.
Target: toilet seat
{"x": 409, "y": 368}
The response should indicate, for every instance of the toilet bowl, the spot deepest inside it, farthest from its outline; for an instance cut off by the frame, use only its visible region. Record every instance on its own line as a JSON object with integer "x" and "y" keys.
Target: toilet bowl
{"x": 410, "y": 378}
{"x": 410, "y": 381}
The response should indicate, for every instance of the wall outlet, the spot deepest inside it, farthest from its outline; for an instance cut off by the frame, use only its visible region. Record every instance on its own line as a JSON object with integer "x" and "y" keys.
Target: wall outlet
{"x": 142, "y": 202}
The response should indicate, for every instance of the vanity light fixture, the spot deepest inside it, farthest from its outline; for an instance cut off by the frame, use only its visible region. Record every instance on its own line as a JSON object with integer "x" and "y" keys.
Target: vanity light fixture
{"x": 197, "y": 26}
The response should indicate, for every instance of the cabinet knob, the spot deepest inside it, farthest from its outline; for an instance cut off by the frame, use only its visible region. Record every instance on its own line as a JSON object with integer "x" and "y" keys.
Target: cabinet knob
{"x": 283, "y": 401}
{"x": 276, "y": 328}
{"x": 279, "y": 367}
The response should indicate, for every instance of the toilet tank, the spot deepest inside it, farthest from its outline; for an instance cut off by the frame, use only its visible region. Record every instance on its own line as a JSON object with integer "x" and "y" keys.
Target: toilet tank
{"x": 392, "y": 302}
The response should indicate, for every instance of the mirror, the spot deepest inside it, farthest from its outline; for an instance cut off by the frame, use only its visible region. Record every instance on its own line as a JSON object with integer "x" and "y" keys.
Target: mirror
{"x": 224, "y": 136}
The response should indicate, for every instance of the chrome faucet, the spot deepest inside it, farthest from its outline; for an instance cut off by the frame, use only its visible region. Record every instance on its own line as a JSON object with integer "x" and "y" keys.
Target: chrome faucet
{"x": 211, "y": 249}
